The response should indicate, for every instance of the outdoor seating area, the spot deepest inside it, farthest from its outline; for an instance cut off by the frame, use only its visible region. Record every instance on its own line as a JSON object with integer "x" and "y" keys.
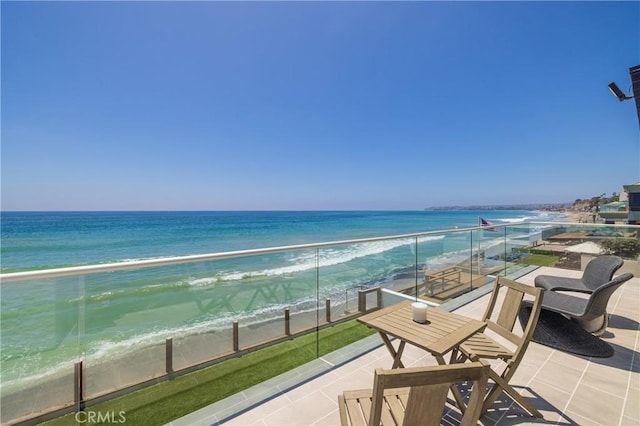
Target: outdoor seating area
{"x": 448, "y": 333}
{"x": 562, "y": 387}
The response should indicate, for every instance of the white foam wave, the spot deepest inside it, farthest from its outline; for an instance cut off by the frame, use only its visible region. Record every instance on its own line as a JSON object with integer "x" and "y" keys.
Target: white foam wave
{"x": 307, "y": 260}
{"x": 542, "y": 216}
{"x": 515, "y": 219}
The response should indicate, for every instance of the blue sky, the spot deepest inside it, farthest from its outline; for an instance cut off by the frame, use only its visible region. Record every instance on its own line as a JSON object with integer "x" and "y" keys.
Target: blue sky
{"x": 315, "y": 105}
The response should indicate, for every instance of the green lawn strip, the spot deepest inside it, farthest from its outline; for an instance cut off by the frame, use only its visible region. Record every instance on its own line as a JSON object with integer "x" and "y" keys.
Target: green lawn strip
{"x": 166, "y": 401}
{"x": 539, "y": 260}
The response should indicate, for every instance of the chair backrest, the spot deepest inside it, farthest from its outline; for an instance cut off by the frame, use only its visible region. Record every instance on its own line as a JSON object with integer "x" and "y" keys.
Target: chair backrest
{"x": 598, "y": 300}
{"x": 600, "y": 270}
{"x": 428, "y": 392}
{"x": 501, "y": 319}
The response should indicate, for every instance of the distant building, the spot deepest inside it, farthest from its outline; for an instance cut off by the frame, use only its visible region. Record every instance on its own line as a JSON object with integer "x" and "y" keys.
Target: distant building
{"x": 627, "y": 209}
{"x": 633, "y": 206}
{"x": 614, "y": 212}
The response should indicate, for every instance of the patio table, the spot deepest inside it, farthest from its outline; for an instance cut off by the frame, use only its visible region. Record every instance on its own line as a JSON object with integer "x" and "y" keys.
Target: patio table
{"x": 443, "y": 332}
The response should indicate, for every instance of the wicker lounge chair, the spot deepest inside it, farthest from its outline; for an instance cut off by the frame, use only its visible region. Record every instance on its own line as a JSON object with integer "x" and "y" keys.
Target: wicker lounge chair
{"x": 590, "y": 312}
{"x": 598, "y": 271}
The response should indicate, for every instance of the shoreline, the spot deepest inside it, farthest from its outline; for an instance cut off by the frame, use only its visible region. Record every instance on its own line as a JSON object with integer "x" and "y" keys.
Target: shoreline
{"x": 579, "y": 217}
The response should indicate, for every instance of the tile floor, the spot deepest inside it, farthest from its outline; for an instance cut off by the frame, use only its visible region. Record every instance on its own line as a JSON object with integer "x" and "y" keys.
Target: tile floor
{"x": 567, "y": 389}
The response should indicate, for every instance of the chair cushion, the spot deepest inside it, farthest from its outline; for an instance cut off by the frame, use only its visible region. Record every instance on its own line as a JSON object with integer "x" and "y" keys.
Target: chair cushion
{"x": 549, "y": 282}
{"x": 562, "y": 303}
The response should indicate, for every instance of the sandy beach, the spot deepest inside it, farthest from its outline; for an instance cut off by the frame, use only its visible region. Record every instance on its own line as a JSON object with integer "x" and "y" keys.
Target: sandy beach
{"x": 579, "y": 217}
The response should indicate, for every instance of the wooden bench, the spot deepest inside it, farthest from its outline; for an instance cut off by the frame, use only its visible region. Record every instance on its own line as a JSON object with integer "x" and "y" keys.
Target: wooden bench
{"x": 442, "y": 278}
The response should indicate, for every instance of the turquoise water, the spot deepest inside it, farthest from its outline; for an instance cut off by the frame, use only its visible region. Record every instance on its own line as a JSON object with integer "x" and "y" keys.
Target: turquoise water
{"x": 46, "y": 324}
{"x": 37, "y": 240}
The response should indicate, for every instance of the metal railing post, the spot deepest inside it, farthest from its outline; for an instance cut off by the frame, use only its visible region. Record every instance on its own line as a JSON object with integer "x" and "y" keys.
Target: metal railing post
{"x": 287, "y": 323}
{"x": 168, "y": 344}
{"x": 78, "y": 382}
{"x": 236, "y": 337}
{"x": 327, "y": 307}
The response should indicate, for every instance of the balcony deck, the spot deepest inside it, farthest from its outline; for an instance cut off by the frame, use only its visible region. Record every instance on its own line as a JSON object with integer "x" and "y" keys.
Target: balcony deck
{"x": 566, "y": 388}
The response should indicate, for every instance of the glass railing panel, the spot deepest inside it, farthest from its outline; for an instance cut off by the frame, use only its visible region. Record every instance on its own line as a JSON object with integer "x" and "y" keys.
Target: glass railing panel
{"x": 394, "y": 265}
{"x": 350, "y": 274}
{"x": 255, "y": 332}
{"x": 484, "y": 246}
{"x": 574, "y": 245}
{"x": 40, "y": 345}
{"x": 128, "y": 326}
{"x": 128, "y": 315}
{"x": 351, "y": 278}
{"x": 50, "y": 393}
{"x": 519, "y": 243}
{"x": 202, "y": 346}
{"x": 119, "y": 366}
{"x": 212, "y": 301}
{"x": 450, "y": 264}
{"x": 272, "y": 295}
{"x": 589, "y": 241}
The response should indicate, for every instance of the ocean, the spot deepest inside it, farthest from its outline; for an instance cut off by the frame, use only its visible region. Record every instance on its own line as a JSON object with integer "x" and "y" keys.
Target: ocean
{"x": 46, "y": 324}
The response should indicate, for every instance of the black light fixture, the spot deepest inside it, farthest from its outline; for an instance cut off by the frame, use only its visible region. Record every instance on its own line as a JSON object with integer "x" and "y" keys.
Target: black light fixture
{"x": 618, "y": 93}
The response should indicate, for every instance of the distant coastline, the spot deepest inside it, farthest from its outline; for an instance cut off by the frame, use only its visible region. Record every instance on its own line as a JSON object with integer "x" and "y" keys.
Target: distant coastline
{"x": 574, "y": 214}
{"x": 535, "y": 206}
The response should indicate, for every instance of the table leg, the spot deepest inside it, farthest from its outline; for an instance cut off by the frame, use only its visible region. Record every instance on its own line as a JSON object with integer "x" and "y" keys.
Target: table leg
{"x": 397, "y": 355}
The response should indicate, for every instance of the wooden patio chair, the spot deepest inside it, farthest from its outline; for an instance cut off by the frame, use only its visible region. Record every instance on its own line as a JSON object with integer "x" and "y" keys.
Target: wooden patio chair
{"x": 412, "y": 396}
{"x": 501, "y": 320}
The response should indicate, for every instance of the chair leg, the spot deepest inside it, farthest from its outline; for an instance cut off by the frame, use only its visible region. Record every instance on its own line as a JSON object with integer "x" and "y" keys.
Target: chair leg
{"x": 502, "y": 385}
{"x": 460, "y": 359}
{"x": 596, "y": 326}
{"x": 499, "y": 385}
{"x": 342, "y": 409}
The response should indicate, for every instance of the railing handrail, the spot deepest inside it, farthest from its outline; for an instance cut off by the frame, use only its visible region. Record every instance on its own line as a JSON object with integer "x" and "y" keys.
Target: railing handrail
{"x": 174, "y": 260}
